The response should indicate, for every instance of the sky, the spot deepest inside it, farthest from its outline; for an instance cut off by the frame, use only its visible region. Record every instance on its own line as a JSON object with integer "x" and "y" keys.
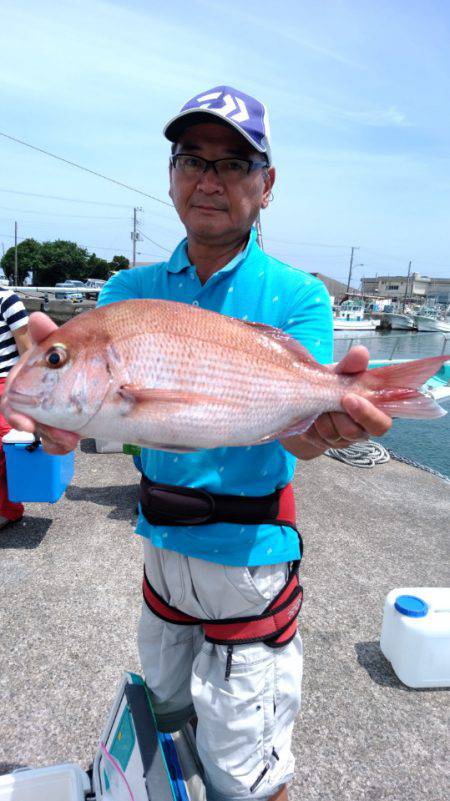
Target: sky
{"x": 358, "y": 97}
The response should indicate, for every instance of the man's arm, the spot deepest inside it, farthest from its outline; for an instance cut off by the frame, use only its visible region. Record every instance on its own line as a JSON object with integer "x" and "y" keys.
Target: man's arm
{"x": 22, "y": 338}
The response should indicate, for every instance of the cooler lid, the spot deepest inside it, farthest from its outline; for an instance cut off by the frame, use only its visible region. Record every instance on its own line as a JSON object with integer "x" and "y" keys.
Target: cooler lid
{"x": 14, "y": 436}
{"x": 411, "y": 606}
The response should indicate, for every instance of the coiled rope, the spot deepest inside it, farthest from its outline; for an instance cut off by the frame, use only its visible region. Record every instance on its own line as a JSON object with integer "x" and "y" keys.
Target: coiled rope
{"x": 360, "y": 454}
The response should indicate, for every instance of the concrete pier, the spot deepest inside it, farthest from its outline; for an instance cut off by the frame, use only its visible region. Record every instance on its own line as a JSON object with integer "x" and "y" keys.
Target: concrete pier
{"x": 70, "y": 576}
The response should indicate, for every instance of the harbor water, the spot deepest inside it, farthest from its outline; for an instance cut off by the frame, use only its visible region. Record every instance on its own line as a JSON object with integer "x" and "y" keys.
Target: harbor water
{"x": 424, "y": 441}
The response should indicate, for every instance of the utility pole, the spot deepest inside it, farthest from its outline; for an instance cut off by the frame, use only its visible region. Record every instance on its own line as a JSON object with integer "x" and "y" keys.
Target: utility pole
{"x": 259, "y": 238}
{"x": 135, "y": 235}
{"x": 350, "y": 268}
{"x": 16, "y": 266}
{"x": 407, "y": 285}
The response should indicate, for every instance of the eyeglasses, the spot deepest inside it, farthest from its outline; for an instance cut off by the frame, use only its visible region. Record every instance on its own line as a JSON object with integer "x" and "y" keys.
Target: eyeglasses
{"x": 230, "y": 169}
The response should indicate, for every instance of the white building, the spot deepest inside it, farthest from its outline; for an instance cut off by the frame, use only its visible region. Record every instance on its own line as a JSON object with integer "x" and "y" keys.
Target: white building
{"x": 398, "y": 287}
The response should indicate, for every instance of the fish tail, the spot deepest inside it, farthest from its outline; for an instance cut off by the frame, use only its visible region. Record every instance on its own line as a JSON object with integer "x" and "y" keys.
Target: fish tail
{"x": 395, "y": 389}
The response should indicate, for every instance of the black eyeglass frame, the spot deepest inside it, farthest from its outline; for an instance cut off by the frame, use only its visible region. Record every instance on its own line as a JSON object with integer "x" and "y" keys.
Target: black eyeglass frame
{"x": 251, "y": 165}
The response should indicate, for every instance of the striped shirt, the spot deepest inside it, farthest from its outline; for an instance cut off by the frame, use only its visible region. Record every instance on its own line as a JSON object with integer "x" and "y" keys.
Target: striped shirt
{"x": 13, "y": 315}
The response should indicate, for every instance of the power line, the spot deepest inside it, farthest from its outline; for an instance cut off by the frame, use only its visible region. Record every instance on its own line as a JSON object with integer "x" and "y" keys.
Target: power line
{"x": 155, "y": 243}
{"x": 58, "y": 214}
{"x": 308, "y": 244}
{"x": 86, "y": 169}
{"x": 89, "y": 247}
{"x": 66, "y": 199}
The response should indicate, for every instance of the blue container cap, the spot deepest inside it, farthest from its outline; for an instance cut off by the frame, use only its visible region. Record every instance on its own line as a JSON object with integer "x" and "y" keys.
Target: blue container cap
{"x": 411, "y": 605}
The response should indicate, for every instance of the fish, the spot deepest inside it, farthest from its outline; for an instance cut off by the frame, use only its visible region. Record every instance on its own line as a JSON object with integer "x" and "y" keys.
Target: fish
{"x": 175, "y": 377}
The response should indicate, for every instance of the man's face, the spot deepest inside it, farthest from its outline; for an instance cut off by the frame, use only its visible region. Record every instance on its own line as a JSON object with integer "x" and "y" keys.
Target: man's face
{"x": 212, "y": 209}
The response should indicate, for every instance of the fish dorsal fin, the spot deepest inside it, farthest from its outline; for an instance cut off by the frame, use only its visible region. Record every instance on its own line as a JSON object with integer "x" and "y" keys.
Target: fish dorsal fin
{"x": 288, "y": 342}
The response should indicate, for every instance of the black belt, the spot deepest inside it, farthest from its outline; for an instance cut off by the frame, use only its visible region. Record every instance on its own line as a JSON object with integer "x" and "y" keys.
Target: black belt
{"x": 170, "y": 505}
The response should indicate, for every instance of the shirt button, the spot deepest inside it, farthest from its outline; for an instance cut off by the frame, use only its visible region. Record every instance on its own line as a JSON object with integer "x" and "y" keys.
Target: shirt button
{"x": 195, "y": 303}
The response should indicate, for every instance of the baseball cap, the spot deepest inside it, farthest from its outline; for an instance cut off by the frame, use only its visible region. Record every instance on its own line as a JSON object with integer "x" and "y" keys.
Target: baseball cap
{"x": 242, "y": 112}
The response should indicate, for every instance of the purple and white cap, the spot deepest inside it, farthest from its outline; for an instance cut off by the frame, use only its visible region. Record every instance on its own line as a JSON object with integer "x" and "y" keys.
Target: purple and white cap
{"x": 244, "y": 113}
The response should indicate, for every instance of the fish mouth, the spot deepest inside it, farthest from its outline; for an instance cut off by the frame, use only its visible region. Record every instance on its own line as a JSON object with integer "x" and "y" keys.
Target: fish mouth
{"x": 21, "y": 399}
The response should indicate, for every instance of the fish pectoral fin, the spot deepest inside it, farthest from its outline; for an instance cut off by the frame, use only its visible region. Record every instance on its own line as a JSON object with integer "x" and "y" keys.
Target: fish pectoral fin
{"x": 298, "y": 427}
{"x": 134, "y": 394}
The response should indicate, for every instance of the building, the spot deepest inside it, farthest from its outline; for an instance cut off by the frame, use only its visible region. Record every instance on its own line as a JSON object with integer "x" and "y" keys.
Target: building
{"x": 398, "y": 287}
{"x": 439, "y": 291}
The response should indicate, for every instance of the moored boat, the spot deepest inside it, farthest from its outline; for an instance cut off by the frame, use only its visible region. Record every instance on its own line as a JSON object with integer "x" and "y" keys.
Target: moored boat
{"x": 350, "y": 316}
{"x": 429, "y": 319}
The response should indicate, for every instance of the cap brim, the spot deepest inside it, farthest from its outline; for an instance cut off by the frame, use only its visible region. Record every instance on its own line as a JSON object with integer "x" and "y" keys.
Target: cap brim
{"x": 184, "y": 119}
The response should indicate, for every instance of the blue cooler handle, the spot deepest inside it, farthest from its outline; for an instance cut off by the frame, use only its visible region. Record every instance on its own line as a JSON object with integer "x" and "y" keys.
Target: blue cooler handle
{"x": 33, "y": 446}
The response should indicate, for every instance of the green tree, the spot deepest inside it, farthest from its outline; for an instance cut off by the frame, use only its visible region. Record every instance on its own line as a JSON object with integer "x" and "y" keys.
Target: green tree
{"x": 29, "y": 259}
{"x": 62, "y": 260}
{"x": 97, "y": 268}
{"x": 119, "y": 263}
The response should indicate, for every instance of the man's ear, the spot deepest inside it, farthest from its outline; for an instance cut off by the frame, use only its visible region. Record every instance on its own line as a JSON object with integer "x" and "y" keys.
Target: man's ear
{"x": 269, "y": 181}
{"x": 170, "y": 179}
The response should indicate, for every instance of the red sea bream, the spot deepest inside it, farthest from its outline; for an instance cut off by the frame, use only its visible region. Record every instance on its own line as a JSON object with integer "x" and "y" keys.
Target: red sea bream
{"x": 171, "y": 376}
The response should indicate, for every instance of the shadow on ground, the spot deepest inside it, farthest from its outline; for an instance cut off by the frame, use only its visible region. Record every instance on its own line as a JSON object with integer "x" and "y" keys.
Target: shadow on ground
{"x": 26, "y": 533}
{"x": 88, "y": 446}
{"x": 122, "y": 498}
{"x": 379, "y": 669}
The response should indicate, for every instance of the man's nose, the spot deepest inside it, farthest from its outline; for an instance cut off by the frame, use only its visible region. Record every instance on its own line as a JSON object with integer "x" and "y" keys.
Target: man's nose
{"x": 209, "y": 181}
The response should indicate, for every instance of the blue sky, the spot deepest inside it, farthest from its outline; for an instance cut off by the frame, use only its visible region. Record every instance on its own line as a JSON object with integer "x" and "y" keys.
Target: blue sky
{"x": 358, "y": 95}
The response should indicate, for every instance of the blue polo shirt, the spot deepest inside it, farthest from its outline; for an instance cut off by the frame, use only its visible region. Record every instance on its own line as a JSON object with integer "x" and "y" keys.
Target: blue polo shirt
{"x": 256, "y": 287}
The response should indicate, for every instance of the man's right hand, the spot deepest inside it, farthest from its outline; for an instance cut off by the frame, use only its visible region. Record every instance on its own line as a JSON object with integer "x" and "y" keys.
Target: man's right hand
{"x": 54, "y": 440}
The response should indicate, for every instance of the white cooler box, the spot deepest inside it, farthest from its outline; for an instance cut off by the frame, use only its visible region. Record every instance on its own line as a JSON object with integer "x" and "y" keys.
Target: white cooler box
{"x": 134, "y": 761}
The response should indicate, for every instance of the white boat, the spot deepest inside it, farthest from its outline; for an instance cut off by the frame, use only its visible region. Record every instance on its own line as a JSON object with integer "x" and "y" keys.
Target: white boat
{"x": 350, "y": 317}
{"x": 428, "y": 319}
{"x": 399, "y": 322}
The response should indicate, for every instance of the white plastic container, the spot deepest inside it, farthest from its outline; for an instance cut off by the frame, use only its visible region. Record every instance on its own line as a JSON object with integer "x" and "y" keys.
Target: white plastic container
{"x": 415, "y": 635}
{"x": 57, "y": 783}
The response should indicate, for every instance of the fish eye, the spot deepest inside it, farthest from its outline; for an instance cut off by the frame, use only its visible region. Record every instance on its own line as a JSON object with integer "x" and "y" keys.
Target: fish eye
{"x": 56, "y": 356}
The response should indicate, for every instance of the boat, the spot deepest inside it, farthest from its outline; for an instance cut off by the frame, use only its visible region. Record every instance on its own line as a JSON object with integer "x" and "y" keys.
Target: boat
{"x": 397, "y": 320}
{"x": 429, "y": 319}
{"x": 350, "y": 317}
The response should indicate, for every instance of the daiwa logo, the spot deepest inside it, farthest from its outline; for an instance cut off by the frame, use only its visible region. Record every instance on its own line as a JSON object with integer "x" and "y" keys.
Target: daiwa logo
{"x": 230, "y": 105}
{"x": 294, "y": 608}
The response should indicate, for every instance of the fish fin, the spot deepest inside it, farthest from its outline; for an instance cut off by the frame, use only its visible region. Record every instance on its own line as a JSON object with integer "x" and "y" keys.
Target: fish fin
{"x": 161, "y": 446}
{"x": 289, "y": 343}
{"x": 408, "y": 403}
{"x": 395, "y": 389}
{"x": 298, "y": 427}
{"x": 135, "y": 394}
{"x": 408, "y": 374}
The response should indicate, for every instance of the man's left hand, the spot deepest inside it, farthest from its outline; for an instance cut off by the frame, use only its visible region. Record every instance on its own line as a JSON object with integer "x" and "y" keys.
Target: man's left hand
{"x": 338, "y": 429}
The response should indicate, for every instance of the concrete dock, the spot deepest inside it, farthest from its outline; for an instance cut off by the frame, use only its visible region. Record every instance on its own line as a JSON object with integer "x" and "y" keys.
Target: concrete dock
{"x": 70, "y": 576}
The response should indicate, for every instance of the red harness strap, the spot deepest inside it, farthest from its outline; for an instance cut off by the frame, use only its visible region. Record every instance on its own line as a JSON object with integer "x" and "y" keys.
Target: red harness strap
{"x": 276, "y": 626}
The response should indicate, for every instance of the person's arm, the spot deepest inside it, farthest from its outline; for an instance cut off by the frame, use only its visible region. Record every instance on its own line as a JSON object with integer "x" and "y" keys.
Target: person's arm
{"x": 22, "y": 338}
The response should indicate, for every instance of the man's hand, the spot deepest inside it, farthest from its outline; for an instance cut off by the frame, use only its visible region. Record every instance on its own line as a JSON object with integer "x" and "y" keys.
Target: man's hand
{"x": 337, "y": 429}
{"x": 54, "y": 440}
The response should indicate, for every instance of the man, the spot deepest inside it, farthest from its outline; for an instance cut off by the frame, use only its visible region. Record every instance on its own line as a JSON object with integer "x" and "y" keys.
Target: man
{"x": 244, "y": 696}
{"x": 14, "y": 340}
